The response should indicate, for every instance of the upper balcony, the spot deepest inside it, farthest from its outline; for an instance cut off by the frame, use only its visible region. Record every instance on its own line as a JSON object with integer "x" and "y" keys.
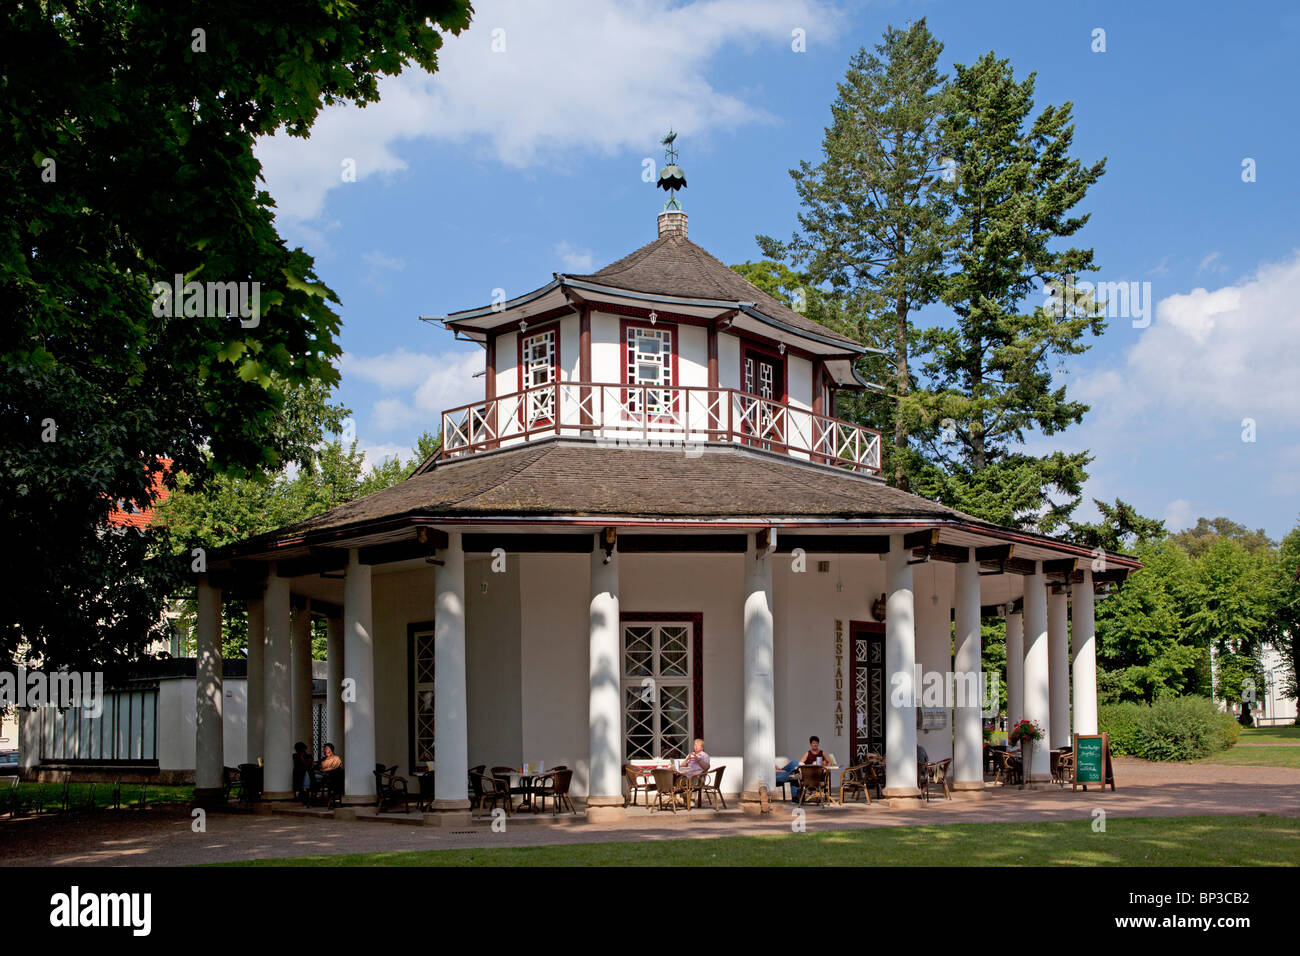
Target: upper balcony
{"x": 659, "y": 415}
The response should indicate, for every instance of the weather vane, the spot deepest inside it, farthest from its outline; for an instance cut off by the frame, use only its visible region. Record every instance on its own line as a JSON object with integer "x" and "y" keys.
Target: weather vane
{"x": 671, "y": 177}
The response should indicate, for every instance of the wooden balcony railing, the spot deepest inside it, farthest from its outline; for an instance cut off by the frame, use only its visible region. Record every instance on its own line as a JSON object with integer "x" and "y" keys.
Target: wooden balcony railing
{"x": 644, "y": 414}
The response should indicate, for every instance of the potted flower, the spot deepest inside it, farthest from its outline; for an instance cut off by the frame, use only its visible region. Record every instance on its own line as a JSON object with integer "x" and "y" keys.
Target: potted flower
{"x": 1024, "y": 733}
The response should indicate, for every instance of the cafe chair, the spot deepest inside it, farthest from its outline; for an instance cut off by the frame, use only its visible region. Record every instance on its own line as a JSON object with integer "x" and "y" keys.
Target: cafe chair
{"x": 636, "y": 783}
{"x": 556, "y": 786}
{"x": 814, "y": 783}
{"x": 673, "y": 787}
{"x": 856, "y": 779}
{"x": 389, "y": 788}
{"x": 711, "y": 786}
{"x": 935, "y": 774}
{"x": 492, "y": 792}
{"x": 1008, "y": 768}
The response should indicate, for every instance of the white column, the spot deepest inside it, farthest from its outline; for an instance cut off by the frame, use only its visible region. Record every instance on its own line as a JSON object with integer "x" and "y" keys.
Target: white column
{"x": 277, "y": 783}
{"x": 968, "y": 727}
{"x": 451, "y": 721}
{"x": 209, "y": 742}
{"x": 604, "y": 707}
{"x": 302, "y": 676}
{"x": 1015, "y": 667}
{"x": 1037, "y": 704}
{"x": 1085, "y": 657}
{"x": 256, "y": 701}
{"x": 932, "y": 601}
{"x": 334, "y": 682}
{"x": 359, "y": 703}
{"x": 900, "y": 665}
{"x": 759, "y": 757}
{"x": 1058, "y": 667}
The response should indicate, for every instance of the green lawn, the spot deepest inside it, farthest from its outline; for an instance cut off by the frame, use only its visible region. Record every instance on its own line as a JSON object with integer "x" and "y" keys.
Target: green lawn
{"x": 1143, "y": 841}
{"x": 1270, "y": 734}
{"x": 50, "y": 795}
{"x": 1258, "y": 757}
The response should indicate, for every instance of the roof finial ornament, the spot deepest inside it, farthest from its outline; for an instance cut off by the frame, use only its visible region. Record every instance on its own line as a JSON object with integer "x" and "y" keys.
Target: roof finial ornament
{"x": 671, "y": 177}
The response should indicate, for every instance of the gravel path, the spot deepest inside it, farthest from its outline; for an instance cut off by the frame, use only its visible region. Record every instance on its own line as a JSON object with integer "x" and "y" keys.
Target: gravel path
{"x": 163, "y": 837}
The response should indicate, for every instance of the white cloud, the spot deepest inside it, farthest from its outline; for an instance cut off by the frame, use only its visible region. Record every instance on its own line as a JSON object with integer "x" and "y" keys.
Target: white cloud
{"x": 1178, "y": 515}
{"x": 1230, "y": 351}
{"x": 429, "y": 385}
{"x": 591, "y": 76}
{"x": 574, "y": 259}
{"x": 1211, "y": 264}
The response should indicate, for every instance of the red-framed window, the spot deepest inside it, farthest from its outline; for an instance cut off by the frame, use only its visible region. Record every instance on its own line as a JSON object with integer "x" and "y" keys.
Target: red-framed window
{"x": 650, "y": 359}
{"x": 539, "y": 367}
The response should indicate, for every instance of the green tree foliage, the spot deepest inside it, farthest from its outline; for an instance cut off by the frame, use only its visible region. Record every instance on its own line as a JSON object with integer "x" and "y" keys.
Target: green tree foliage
{"x": 1120, "y": 526}
{"x": 874, "y": 219}
{"x": 1144, "y": 651}
{"x": 1207, "y": 531}
{"x": 1016, "y": 186}
{"x": 127, "y": 159}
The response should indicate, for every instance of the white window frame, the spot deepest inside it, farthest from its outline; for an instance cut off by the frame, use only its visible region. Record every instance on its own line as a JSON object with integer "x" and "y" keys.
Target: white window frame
{"x": 539, "y": 406}
{"x": 659, "y": 396}
{"x": 418, "y": 688}
{"x": 650, "y": 687}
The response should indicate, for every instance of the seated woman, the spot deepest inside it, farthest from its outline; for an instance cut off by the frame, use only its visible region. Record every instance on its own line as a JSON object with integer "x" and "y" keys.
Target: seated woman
{"x": 696, "y": 762}
{"x": 814, "y": 756}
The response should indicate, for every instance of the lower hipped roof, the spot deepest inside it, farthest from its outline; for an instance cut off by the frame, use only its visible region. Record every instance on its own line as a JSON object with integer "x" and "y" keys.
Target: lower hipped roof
{"x": 577, "y": 479}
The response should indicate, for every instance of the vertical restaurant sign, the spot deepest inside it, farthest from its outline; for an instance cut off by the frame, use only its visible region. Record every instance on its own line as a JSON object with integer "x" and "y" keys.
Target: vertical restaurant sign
{"x": 839, "y": 678}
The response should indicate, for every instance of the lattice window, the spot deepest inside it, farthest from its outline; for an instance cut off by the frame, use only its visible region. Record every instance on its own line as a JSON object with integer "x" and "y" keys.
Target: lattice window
{"x": 657, "y": 689}
{"x": 650, "y": 362}
{"x": 539, "y": 370}
{"x": 422, "y": 706}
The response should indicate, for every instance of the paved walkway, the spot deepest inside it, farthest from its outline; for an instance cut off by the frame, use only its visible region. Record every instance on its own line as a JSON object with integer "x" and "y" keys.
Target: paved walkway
{"x": 164, "y": 837}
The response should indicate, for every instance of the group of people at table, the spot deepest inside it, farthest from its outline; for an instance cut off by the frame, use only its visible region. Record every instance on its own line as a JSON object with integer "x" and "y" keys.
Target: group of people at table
{"x": 698, "y": 761}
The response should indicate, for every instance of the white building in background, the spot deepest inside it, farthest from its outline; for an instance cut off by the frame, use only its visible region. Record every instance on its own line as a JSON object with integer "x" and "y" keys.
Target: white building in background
{"x": 651, "y": 528}
{"x": 1274, "y": 709}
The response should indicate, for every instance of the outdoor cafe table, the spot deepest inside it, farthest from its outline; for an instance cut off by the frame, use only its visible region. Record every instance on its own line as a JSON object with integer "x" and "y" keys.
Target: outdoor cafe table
{"x": 830, "y": 769}
{"x": 526, "y": 786}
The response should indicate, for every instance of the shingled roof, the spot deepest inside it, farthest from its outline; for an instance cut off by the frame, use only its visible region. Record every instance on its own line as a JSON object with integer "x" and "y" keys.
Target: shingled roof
{"x": 673, "y": 265}
{"x": 579, "y": 479}
{"x": 576, "y": 477}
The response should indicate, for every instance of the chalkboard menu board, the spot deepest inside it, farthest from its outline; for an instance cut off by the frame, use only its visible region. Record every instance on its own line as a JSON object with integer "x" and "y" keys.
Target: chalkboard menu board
{"x": 1092, "y": 761}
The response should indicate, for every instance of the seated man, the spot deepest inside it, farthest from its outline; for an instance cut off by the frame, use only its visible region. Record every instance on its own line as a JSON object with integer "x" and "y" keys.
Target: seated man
{"x": 786, "y": 775}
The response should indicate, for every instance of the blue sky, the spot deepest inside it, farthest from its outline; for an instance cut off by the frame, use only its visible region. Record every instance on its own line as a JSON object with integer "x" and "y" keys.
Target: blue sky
{"x": 523, "y": 156}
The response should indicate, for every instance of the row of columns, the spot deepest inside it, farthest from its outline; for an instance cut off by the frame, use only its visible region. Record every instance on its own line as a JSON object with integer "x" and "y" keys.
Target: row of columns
{"x": 1037, "y": 678}
{"x": 1039, "y": 666}
{"x": 280, "y": 681}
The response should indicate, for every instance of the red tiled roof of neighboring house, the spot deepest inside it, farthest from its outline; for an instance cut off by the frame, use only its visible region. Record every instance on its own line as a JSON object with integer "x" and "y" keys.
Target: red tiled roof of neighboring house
{"x": 130, "y": 516}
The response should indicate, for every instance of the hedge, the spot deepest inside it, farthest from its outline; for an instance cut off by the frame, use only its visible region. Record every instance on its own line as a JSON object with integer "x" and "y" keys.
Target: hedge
{"x": 1175, "y": 728}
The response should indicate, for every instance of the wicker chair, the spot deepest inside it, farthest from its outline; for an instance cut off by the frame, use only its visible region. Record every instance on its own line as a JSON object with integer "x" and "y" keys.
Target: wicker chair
{"x": 711, "y": 786}
{"x": 476, "y": 785}
{"x": 934, "y": 774}
{"x": 635, "y": 783}
{"x": 814, "y": 782}
{"x": 856, "y": 779}
{"x": 1009, "y": 770}
{"x": 1062, "y": 767}
{"x": 556, "y": 786}
{"x": 491, "y": 792}
{"x": 673, "y": 787}
{"x": 389, "y": 788}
